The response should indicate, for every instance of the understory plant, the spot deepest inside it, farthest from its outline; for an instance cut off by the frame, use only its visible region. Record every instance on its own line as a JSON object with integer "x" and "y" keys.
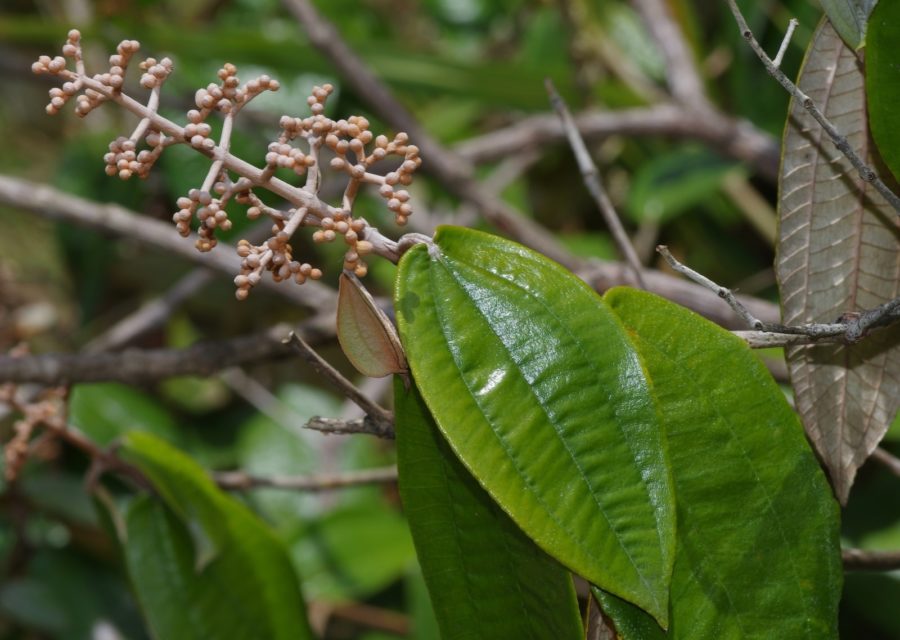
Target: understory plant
{"x": 547, "y": 437}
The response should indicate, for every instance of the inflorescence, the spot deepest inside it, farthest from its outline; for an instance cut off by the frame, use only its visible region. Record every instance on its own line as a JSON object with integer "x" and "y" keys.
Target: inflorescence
{"x": 353, "y": 147}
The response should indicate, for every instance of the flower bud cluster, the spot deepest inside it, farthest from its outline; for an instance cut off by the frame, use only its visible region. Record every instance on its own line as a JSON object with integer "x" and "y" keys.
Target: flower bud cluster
{"x": 354, "y": 149}
{"x": 209, "y": 211}
{"x": 342, "y": 224}
{"x": 274, "y": 255}
{"x": 229, "y": 95}
{"x": 356, "y": 135}
{"x": 155, "y": 73}
{"x": 124, "y": 160}
{"x": 48, "y": 408}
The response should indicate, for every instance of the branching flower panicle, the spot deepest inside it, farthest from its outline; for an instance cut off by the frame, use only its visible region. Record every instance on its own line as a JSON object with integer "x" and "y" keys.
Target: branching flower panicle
{"x": 353, "y": 147}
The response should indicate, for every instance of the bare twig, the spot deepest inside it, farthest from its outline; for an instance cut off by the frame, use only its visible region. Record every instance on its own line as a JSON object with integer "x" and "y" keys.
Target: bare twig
{"x": 865, "y": 172}
{"x": 137, "y": 366}
{"x": 153, "y": 313}
{"x": 594, "y": 185}
{"x": 348, "y": 389}
{"x": 768, "y": 339}
{"x": 792, "y": 25}
{"x": 242, "y": 481}
{"x": 366, "y": 425}
{"x": 887, "y": 459}
{"x": 738, "y": 139}
{"x": 852, "y": 328}
{"x": 864, "y": 560}
{"x": 682, "y": 76}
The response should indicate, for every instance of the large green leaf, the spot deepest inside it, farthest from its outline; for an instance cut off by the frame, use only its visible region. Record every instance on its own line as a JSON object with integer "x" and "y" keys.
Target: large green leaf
{"x": 849, "y": 18}
{"x": 758, "y": 550}
{"x": 238, "y": 584}
{"x": 837, "y": 253}
{"x": 883, "y": 82}
{"x": 538, "y": 390}
{"x": 486, "y": 578}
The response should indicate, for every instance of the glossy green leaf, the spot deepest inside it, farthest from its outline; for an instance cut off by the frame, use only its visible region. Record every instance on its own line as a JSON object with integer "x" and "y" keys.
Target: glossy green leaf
{"x": 883, "y": 81}
{"x": 536, "y": 387}
{"x": 850, "y": 17}
{"x": 758, "y": 550}
{"x": 202, "y": 564}
{"x": 487, "y": 579}
{"x": 837, "y": 253}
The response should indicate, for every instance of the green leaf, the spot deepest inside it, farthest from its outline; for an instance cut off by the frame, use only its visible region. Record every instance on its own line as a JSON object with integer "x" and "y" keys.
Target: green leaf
{"x": 105, "y": 411}
{"x": 849, "y": 18}
{"x": 185, "y": 487}
{"x": 202, "y": 564}
{"x": 538, "y": 390}
{"x": 247, "y": 593}
{"x": 486, "y": 578}
{"x": 883, "y": 82}
{"x": 353, "y": 552}
{"x": 758, "y": 551}
{"x": 675, "y": 182}
{"x": 837, "y": 253}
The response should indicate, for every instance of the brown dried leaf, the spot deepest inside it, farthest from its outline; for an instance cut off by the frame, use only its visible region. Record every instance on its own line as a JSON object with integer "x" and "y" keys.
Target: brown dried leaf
{"x": 838, "y": 252}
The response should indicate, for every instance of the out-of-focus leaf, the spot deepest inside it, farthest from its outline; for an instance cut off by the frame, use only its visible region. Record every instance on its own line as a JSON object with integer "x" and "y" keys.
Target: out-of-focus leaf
{"x": 52, "y": 597}
{"x": 105, "y": 411}
{"x": 883, "y": 81}
{"x": 487, "y": 579}
{"x": 540, "y": 393}
{"x": 838, "y": 253}
{"x": 873, "y": 598}
{"x": 849, "y": 18}
{"x": 353, "y": 552}
{"x": 202, "y": 564}
{"x": 673, "y": 183}
{"x": 266, "y": 447}
{"x": 59, "y": 493}
{"x": 757, "y": 550}
{"x": 247, "y": 592}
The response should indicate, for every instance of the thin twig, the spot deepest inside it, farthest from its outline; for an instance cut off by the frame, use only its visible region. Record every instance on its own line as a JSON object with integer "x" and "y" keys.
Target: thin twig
{"x": 137, "y": 366}
{"x": 720, "y": 291}
{"x": 242, "y": 481}
{"x": 792, "y": 24}
{"x": 347, "y": 388}
{"x": 366, "y": 425}
{"x": 152, "y": 313}
{"x": 682, "y": 75}
{"x": 887, "y": 459}
{"x": 731, "y": 137}
{"x": 594, "y": 185}
{"x": 852, "y": 328}
{"x": 263, "y": 400}
{"x": 865, "y": 172}
{"x": 864, "y": 560}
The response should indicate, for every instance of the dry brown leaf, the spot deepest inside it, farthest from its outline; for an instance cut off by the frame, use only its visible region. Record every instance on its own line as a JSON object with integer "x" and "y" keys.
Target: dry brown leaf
{"x": 839, "y": 252}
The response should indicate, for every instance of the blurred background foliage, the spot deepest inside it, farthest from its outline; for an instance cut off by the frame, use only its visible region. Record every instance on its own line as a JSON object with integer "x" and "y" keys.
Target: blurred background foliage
{"x": 463, "y": 67}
